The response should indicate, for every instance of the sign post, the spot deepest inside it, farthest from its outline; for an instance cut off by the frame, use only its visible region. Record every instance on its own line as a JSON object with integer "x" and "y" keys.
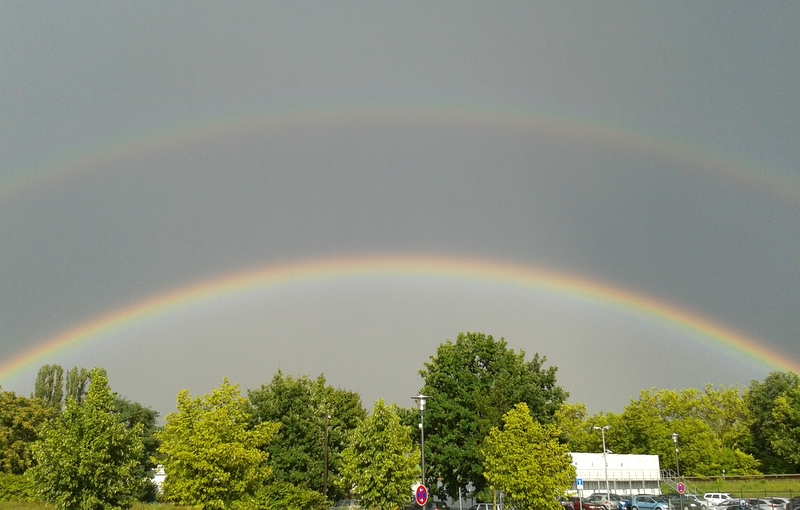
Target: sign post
{"x": 579, "y": 486}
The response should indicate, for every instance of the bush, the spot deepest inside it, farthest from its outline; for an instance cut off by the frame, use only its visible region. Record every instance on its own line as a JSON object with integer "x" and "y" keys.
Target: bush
{"x": 17, "y": 488}
{"x": 283, "y": 495}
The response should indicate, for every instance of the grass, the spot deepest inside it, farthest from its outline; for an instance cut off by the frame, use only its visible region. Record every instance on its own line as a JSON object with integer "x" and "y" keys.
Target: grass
{"x": 748, "y": 487}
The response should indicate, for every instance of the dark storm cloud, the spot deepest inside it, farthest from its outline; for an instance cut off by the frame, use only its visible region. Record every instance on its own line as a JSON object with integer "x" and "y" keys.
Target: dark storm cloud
{"x": 713, "y": 75}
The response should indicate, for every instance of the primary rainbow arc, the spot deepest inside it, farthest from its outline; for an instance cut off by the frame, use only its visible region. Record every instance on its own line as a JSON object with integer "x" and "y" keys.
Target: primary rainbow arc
{"x": 571, "y": 287}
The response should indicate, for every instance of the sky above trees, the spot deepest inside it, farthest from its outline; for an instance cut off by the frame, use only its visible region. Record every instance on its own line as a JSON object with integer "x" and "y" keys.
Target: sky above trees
{"x": 147, "y": 148}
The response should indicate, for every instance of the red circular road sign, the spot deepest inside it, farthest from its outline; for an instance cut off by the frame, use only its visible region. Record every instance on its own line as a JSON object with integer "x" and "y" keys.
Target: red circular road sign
{"x": 421, "y": 495}
{"x": 681, "y": 488}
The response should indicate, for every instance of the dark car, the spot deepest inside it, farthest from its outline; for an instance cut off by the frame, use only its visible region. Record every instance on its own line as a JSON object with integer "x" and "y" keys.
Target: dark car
{"x": 688, "y": 502}
{"x": 576, "y": 503}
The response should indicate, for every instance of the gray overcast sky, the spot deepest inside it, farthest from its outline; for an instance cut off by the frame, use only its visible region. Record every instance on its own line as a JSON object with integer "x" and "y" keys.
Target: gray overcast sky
{"x": 719, "y": 80}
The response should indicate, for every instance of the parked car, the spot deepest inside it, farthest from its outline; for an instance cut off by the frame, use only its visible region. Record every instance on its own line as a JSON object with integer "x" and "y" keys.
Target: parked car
{"x": 624, "y": 502}
{"x": 702, "y": 503}
{"x": 576, "y": 503}
{"x": 768, "y": 503}
{"x": 600, "y": 498}
{"x": 715, "y": 498}
{"x": 648, "y": 502}
{"x": 739, "y": 506}
{"x": 724, "y": 505}
{"x": 685, "y": 502}
{"x": 609, "y": 501}
{"x": 347, "y": 504}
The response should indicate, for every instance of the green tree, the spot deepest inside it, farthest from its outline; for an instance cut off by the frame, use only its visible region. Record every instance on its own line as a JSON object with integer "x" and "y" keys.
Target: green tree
{"x": 709, "y": 436}
{"x": 211, "y": 456}
{"x": 381, "y": 462}
{"x": 21, "y": 421}
{"x": 301, "y": 405}
{"x": 472, "y": 383}
{"x": 87, "y": 459}
{"x": 761, "y": 397}
{"x": 77, "y": 383}
{"x": 133, "y": 414}
{"x": 49, "y": 386}
{"x": 785, "y": 436}
{"x": 527, "y": 462}
{"x": 576, "y": 431}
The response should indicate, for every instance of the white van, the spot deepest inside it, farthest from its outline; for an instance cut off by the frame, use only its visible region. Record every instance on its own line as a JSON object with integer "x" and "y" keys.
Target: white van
{"x": 715, "y": 498}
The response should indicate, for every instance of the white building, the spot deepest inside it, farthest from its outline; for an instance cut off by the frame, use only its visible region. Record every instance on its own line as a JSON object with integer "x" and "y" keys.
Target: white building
{"x": 159, "y": 475}
{"x": 627, "y": 474}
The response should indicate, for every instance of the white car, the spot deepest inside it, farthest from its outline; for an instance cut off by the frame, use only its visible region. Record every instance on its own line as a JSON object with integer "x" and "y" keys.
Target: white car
{"x": 715, "y": 498}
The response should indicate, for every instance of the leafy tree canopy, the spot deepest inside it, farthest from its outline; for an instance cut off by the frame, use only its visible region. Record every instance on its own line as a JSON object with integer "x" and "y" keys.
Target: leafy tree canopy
{"x": 785, "y": 435}
{"x": 711, "y": 427}
{"x": 381, "y": 462}
{"x": 134, "y": 414}
{"x": 302, "y": 405}
{"x": 21, "y": 421}
{"x": 212, "y": 457}
{"x": 761, "y": 399}
{"x": 527, "y": 462}
{"x": 77, "y": 383}
{"x": 87, "y": 459}
{"x": 472, "y": 383}
{"x": 49, "y": 386}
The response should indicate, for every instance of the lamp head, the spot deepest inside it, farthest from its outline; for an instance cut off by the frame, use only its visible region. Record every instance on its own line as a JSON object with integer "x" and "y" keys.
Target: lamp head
{"x": 420, "y": 400}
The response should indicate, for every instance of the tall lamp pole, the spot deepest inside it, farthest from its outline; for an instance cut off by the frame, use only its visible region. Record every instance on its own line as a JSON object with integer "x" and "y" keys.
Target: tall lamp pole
{"x": 420, "y": 400}
{"x": 675, "y": 441}
{"x": 325, "y": 472}
{"x": 605, "y": 459}
{"x": 677, "y": 467}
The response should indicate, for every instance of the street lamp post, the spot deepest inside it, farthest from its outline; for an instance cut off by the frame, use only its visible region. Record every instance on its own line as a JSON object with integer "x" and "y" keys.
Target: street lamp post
{"x": 677, "y": 467}
{"x": 420, "y": 400}
{"x": 325, "y": 472}
{"x": 605, "y": 459}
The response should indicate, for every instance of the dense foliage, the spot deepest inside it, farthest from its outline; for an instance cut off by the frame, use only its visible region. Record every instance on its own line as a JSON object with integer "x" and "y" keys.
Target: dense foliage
{"x": 527, "y": 462}
{"x": 87, "y": 459}
{"x": 49, "y": 386}
{"x": 380, "y": 462}
{"x": 17, "y": 488}
{"x": 21, "y": 420}
{"x": 133, "y": 414}
{"x": 283, "y": 495}
{"x": 771, "y": 427}
{"x": 212, "y": 457}
{"x": 712, "y": 427}
{"x": 268, "y": 451}
{"x": 472, "y": 383}
{"x": 309, "y": 412}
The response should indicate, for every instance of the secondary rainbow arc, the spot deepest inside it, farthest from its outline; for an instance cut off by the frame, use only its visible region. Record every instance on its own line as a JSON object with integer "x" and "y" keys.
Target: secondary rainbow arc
{"x": 571, "y": 287}
{"x": 769, "y": 180}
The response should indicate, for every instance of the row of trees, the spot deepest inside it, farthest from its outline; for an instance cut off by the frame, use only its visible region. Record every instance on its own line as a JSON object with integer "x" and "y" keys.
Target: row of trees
{"x": 741, "y": 432}
{"x": 494, "y": 421}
